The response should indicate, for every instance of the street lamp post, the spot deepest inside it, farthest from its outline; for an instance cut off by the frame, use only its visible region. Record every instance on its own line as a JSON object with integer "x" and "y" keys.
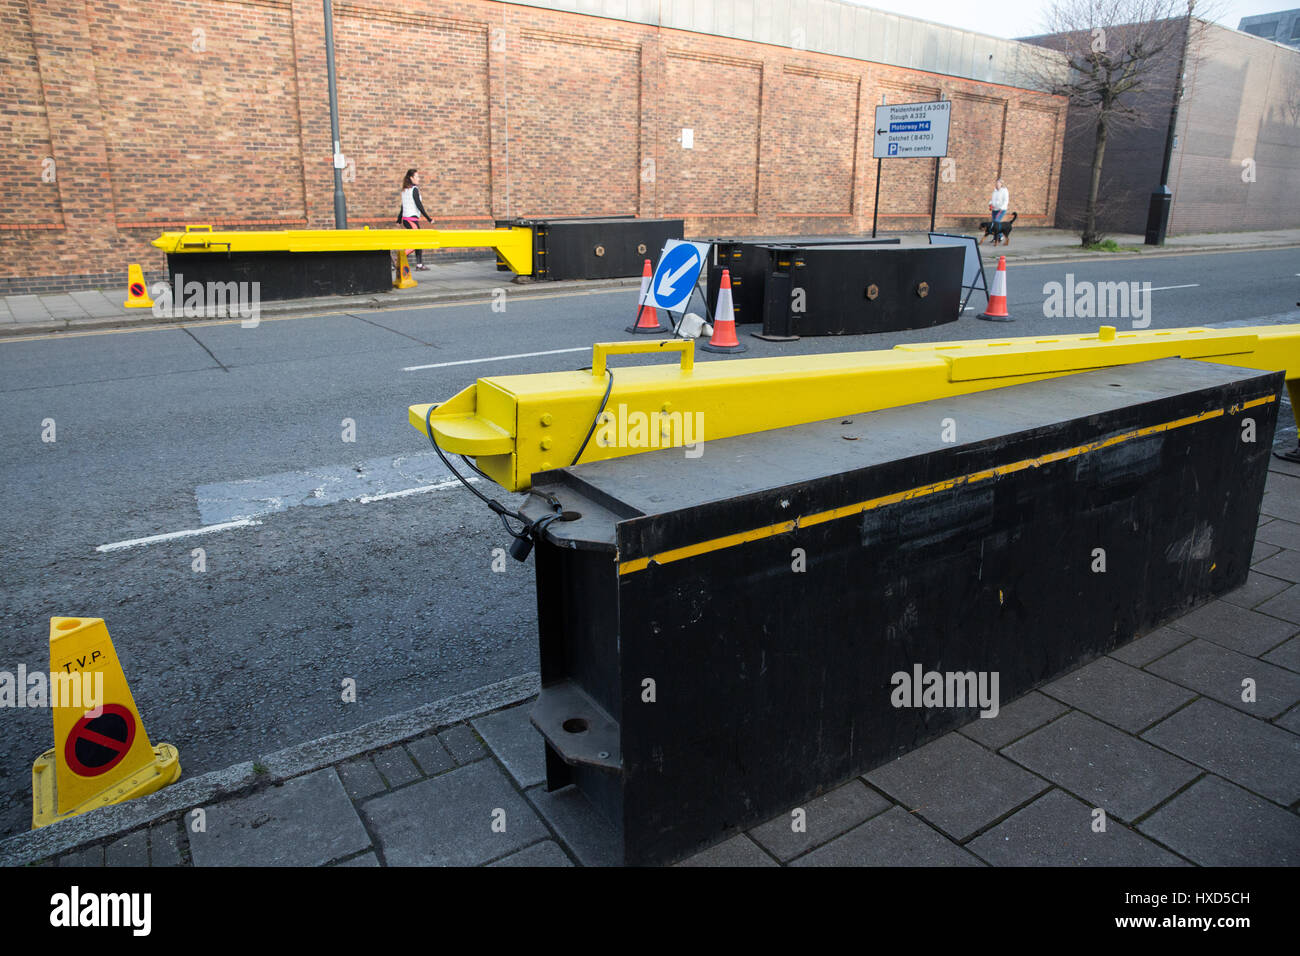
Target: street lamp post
{"x": 340, "y": 204}
{"x": 1162, "y": 198}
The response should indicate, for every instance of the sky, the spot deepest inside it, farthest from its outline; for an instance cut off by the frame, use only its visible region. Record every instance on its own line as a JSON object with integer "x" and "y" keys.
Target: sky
{"x": 1019, "y": 18}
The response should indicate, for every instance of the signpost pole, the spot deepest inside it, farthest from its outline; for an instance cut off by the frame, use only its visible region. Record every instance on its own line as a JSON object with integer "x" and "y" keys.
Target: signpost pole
{"x": 875, "y": 208}
{"x": 934, "y": 196}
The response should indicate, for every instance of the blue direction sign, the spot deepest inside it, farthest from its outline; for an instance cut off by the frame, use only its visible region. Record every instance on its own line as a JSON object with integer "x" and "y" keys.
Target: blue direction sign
{"x": 676, "y": 275}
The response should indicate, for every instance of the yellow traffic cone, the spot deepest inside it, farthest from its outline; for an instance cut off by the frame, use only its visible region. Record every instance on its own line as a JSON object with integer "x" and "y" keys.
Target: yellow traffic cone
{"x": 101, "y": 753}
{"x": 137, "y": 295}
{"x": 404, "y": 280}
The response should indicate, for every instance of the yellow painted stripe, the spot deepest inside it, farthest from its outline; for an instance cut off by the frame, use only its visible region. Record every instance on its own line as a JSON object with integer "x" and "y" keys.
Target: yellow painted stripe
{"x": 807, "y": 521}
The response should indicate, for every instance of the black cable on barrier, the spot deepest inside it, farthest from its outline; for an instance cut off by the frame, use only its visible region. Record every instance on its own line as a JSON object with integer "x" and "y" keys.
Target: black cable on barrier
{"x": 523, "y": 540}
{"x": 609, "y": 387}
{"x": 531, "y": 529}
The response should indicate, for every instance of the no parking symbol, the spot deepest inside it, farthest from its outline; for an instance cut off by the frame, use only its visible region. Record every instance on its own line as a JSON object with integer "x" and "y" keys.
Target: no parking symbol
{"x": 96, "y": 745}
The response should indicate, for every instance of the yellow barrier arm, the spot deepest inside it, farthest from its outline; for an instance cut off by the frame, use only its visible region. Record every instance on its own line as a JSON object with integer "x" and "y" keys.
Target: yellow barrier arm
{"x": 516, "y": 425}
{"x": 514, "y": 244}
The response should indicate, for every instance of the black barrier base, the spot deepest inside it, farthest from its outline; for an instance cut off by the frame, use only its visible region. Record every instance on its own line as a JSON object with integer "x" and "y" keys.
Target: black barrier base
{"x": 599, "y": 247}
{"x": 861, "y": 288}
{"x": 288, "y": 275}
{"x": 749, "y": 260}
{"x": 712, "y": 659}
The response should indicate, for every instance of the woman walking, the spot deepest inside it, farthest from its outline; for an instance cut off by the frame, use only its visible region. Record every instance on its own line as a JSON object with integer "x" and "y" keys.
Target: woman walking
{"x": 412, "y": 210}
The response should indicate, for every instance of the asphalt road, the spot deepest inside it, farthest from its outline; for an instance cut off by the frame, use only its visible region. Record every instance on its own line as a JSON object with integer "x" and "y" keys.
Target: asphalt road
{"x": 168, "y": 430}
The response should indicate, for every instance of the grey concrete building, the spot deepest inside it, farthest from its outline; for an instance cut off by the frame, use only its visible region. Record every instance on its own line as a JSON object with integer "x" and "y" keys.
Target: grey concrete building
{"x": 1235, "y": 159}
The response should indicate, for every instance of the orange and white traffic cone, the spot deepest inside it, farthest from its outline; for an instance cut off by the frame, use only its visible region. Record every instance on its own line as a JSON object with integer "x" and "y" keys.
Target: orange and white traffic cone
{"x": 137, "y": 295}
{"x": 724, "y": 321}
{"x": 997, "y": 310}
{"x": 647, "y": 316}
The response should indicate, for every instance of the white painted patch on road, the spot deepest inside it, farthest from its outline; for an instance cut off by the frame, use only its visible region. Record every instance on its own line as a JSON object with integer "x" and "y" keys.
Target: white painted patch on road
{"x": 494, "y": 358}
{"x": 366, "y": 499}
{"x": 358, "y": 481}
{"x": 1162, "y": 288}
{"x": 174, "y": 535}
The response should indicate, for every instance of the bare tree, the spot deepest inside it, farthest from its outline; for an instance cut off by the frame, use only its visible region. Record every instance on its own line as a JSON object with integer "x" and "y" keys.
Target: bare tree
{"x": 1115, "y": 51}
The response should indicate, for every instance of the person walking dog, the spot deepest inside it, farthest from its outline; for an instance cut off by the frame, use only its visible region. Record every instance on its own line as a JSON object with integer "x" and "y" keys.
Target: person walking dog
{"x": 411, "y": 211}
{"x": 1000, "y": 201}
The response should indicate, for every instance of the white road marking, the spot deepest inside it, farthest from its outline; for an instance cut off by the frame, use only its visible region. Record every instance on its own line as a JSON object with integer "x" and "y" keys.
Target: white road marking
{"x": 173, "y": 535}
{"x": 249, "y": 522}
{"x": 366, "y": 499}
{"x": 493, "y": 358}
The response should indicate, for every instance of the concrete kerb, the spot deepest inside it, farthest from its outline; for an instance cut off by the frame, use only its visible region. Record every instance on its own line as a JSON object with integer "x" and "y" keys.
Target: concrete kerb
{"x": 109, "y": 822}
{"x": 324, "y": 304}
{"x": 1158, "y": 252}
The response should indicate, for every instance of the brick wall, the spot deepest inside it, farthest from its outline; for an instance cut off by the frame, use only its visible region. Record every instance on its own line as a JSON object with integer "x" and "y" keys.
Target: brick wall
{"x": 126, "y": 118}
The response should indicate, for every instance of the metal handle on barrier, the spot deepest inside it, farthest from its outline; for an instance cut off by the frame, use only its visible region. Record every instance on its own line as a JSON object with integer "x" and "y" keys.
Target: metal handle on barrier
{"x": 601, "y": 351}
{"x": 196, "y": 228}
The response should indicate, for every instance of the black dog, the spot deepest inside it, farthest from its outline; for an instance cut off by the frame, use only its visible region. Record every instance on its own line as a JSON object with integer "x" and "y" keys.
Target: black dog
{"x": 1000, "y": 231}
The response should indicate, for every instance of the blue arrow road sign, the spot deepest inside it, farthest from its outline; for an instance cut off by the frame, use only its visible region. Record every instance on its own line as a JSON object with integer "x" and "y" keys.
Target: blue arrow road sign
{"x": 675, "y": 277}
